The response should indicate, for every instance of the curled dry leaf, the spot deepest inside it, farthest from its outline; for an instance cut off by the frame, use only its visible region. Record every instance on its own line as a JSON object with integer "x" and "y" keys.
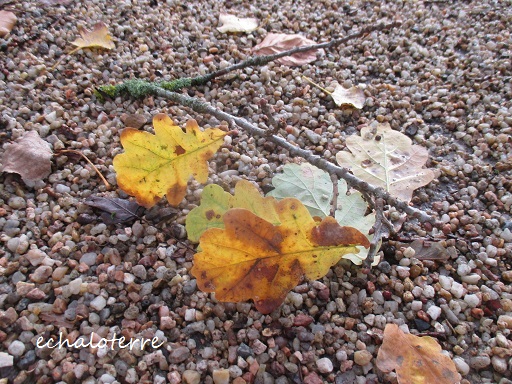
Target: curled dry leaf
{"x": 232, "y": 23}
{"x": 416, "y": 360}
{"x": 387, "y": 159}
{"x": 253, "y": 259}
{"x": 162, "y": 164}
{"x": 280, "y": 42}
{"x": 7, "y": 21}
{"x": 98, "y": 37}
{"x": 30, "y": 156}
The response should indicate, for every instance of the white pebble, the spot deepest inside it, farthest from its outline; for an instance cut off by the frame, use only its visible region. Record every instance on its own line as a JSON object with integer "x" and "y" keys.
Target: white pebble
{"x": 457, "y": 290}
{"x": 16, "y": 348}
{"x": 461, "y": 365}
{"x": 98, "y": 303}
{"x": 434, "y": 312}
{"x": 324, "y": 365}
{"x": 472, "y": 300}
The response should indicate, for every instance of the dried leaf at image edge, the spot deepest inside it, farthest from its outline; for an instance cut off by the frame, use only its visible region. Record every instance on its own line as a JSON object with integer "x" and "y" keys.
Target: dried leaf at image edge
{"x": 7, "y": 21}
{"x": 30, "y": 157}
{"x": 416, "y": 360}
{"x": 280, "y": 42}
{"x": 254, "y": 259}
{"x": 161, "y": 164}
{"x": 98, "y": 37}
{"x": 386, "y": 158}
{"x": 232, "y": 23}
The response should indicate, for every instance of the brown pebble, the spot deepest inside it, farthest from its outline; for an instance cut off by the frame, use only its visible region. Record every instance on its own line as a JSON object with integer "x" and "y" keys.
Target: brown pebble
{"x": 302, "y": 320}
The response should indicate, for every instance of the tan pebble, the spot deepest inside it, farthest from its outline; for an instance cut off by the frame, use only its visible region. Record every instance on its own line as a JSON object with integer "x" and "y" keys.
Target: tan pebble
{"x": 220, "y": 376}
{"x": 362, "y": 357}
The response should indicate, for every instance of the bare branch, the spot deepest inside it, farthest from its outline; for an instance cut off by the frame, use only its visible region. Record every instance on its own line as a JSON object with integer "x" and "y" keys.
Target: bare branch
{"x": 353, "y": 181}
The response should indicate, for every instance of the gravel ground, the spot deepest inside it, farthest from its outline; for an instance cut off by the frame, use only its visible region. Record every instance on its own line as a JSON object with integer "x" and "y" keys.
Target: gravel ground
{"x": 443, "y": 78}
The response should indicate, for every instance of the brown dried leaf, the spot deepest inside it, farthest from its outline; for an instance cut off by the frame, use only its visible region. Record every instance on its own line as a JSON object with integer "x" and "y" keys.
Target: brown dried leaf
{"x": 232, "y": 23}
{"x": 30, "y": 156}
{"x": 98, "y": 37}
{"x": 280, "y": 42}
{"x": 428, "y": 250}
{"x": 7, "y": 21}
{"x": 416, "y": 360}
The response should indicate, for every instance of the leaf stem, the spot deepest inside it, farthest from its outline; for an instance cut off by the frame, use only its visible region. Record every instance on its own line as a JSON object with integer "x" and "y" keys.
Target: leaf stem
{"x": 316, "y": 85}
{"x": 89, "y": 161}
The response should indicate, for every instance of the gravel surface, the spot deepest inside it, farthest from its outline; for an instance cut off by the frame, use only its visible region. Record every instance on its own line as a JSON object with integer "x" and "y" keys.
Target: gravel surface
{"x": 443, "y": 78}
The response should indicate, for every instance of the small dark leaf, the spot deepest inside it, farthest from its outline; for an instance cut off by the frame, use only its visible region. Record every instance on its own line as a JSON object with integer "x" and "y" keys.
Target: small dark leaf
{"x": 115, "y": 210}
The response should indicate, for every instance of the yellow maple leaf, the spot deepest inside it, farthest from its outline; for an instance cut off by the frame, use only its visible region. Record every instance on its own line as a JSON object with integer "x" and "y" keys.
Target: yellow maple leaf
{"x": 162, "y": 164}
{"x": 417, "y": 360}
{"x": 254, "y": 259}
{"x": 98, "y": 37}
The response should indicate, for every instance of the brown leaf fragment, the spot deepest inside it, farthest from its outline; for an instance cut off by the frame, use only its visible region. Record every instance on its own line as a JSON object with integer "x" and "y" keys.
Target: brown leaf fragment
{"x": 281, "y": 42}
{"x": 416, "y": 360}
{"x": 7, "y": 21}
{"x": 30, "y": 156}
{"x": 353, "y": 96}
{"x": 427, "y": 250}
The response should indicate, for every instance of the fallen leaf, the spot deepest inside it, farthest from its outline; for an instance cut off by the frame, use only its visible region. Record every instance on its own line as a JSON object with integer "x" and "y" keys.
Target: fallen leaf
{"x": 215, "y": 202}
{"x": 30, "y": 156}
{"x": 351, "y": 212}
{"x": 115, "y": 210}
{"x": 387, "y": 159}
{"x": 427, "y": 250}
{"x": 311, "y": 185}
{"x": 353, "y": 96}
{"x": 281, "y": 42}
{"x": 7, "y": 21}
{"x": 98, "y": 37}
{"x": 348, "y": 96}
{"x": 417, "y": 360}
{"x": 232, "y": 23}
{"x": 254, "y": 259}
{"x": 162, "y": 164}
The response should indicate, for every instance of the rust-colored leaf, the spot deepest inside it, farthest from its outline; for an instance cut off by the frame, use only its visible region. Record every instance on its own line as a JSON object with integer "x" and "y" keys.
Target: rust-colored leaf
{"x": 254, "y": 259}
{"x": 416, "y": 360}
{"x": 162, "y": 164}
{"x": 30, "y": 156}
{"x": 280, "y": 42}
{"x": 98, "y": 37}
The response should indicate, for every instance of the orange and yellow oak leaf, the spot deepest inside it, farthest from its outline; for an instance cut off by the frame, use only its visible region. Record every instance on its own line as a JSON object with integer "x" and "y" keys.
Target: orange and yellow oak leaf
{"x": 416, "y": 360}
{"x": 161, "y": 164}
{"x": 253, "y": 259}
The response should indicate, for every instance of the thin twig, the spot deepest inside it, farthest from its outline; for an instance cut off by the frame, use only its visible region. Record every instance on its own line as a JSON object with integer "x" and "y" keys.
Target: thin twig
{"x": 89, "y": 161}
{"x": 335, "y": 192}
{"x": 353, "y": 181}
{"x": 265, "y": 59}
{"x": 377, "y": 233}
{"x": 140, "y": 88}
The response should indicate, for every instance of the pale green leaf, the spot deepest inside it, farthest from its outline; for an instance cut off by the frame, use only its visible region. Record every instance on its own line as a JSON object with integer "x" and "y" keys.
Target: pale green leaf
{"x": 307, "y": 183}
